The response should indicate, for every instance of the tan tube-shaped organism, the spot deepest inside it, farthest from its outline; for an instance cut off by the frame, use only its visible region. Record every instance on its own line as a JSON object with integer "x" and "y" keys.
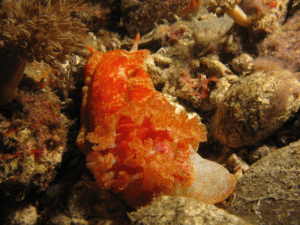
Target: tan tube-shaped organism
{"x": 232, "y": 9}
{"x": 238, "y": 15}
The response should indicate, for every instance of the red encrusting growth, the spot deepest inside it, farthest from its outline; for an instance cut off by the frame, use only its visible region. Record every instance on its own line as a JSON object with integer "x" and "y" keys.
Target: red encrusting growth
{"x": 272, "y": 4}
{"x": 10, "y": 156}
{"x": 192, "y": 7}
{"x": 133, "y": 139}
{"x": 38, "y": 153}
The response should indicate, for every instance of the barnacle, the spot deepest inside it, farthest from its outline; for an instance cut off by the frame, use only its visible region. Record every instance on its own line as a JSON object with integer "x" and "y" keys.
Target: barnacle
{"x": 40, "y": 29}
{"x": 231, "y": 8}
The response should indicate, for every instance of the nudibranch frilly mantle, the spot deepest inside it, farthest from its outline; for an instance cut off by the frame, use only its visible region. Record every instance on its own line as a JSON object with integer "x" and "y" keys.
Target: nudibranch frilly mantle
{"x": 133, "y": 139}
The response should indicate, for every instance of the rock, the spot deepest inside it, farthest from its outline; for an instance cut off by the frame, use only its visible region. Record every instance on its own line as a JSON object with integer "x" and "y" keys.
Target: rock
{"x": 269, "y": 192}
{"x": 267, "y": 17}
{"x": 20, "y": 213}
{"x": 260, "y": 152}
{"x": 242, "y": 63}
{"x": 180, "y": 210}
{"x": 33, "y": 139}
{"x": 156, "y": 65}
{"x": 85, "y": 203}
{"x": 282, "y": 47}
{"x": 142, "y": 16}
{"x": 171, "y": 67}
{"x": 215, "y": 67}
{"x": 217, "y": 94}
{"x": 238, "y": 165}
{"x": 255, "y": 107}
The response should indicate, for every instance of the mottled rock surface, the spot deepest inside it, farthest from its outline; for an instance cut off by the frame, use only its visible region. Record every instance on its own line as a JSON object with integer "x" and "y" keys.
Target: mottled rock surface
{"x": 255, "y": 107}
{"x": 20, "y": 213}
{"x": 269, "y": 192}
{"x": 33, "y": 138}
{"x": 267, "y": 17}
{"x": 180, "y": 210}
{"x": 142, "y": 16}
{"x": 84, "y": 203}
{"x": 217, "y": 94}
{"x": 283, "y": 45}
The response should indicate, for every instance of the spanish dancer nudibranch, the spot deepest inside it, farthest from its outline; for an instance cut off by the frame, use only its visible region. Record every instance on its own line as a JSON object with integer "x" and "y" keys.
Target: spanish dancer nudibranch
{"x": 134, "y": 141}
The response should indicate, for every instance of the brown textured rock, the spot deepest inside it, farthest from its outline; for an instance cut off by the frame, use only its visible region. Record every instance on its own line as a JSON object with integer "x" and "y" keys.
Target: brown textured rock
{"x": 283, "y": 46}
{"x": 269, "y": 192}
{"x": 270, "y": 15}
{"x": 33, "y": 136}
{"x": 20, "y": 213}
{"x": 180, "y": 210}
{"x": 242, "y": 63}
{"x": 84, "y": 203}
{"x": 217, "y": 94}
{"x": 255, "y": 107}
{"x": 142, "y": 16}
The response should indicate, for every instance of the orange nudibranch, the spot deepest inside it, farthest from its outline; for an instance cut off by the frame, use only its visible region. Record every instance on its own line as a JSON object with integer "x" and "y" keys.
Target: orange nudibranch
{"x": 134, "y": 141}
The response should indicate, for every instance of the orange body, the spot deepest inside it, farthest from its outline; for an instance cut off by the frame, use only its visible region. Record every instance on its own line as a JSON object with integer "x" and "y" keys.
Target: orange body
{"x": 133, "y": 139}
